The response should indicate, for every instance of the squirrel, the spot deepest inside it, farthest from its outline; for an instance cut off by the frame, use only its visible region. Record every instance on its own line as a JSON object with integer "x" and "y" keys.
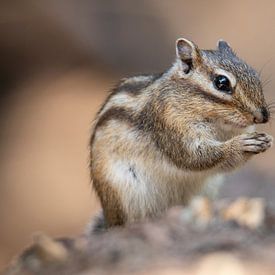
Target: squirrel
{"x": 161, "y": 139}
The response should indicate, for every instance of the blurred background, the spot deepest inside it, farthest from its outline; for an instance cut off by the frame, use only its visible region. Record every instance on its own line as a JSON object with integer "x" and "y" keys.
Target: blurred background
{"x": 58, "y": 59}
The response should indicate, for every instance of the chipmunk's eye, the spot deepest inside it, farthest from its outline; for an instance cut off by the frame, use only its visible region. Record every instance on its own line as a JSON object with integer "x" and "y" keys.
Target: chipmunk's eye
{"x": 222, "y": 83}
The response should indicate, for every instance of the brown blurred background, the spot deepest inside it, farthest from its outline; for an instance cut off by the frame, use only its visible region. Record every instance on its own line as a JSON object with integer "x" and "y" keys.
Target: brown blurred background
{"x": 57, "y": 61}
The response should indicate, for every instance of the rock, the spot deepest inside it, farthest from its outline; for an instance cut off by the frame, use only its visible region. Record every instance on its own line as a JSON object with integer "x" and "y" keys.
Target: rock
{"x": 217, "y": 238}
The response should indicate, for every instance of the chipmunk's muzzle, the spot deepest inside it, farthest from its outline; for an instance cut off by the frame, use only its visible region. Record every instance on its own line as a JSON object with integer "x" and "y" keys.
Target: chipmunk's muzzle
{"x": 261, "y": 115}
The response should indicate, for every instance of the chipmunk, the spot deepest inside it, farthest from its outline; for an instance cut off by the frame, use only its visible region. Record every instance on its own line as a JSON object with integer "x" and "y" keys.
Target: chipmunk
{"x": 159, "y": 140}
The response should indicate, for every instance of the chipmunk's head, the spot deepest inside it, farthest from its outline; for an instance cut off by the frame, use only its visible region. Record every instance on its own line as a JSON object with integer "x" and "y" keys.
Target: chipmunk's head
{"x": 231, "y": 90}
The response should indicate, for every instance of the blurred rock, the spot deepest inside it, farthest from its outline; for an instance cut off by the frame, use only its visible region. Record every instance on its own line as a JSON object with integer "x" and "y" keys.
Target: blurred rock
{"x": 232, "y": 242}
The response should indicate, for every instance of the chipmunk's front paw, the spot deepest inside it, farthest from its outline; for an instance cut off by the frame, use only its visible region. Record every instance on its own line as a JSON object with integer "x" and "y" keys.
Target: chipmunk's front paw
{"x": 255, "y": 142}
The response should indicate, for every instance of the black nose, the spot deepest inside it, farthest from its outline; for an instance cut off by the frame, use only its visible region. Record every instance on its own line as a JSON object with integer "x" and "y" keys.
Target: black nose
{"x": 265, "y": 114}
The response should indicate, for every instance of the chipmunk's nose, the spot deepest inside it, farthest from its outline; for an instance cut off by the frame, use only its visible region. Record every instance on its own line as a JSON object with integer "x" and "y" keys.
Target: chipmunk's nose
{"x": 261, "y": 116}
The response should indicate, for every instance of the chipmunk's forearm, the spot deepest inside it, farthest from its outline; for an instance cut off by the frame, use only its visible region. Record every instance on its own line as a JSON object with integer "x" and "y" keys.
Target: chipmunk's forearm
{"x": 195, "y": 151}
{"x": 213, "y": 154}
{"x": 202, "y": 154}
{"x": 225, "y": 156}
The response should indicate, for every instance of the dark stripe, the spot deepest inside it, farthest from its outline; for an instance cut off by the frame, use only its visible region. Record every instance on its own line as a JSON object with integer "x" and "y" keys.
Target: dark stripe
{"x": 134, "y": 88}
{"x": 115, "y": 113}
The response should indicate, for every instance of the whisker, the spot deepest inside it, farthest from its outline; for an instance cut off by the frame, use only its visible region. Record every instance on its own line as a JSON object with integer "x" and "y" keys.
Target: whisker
{"x": 267, "y": 78}
{"x": 271, "y": 104}
{"x": 264, "y": 65}
{"x": 265, "y": 83}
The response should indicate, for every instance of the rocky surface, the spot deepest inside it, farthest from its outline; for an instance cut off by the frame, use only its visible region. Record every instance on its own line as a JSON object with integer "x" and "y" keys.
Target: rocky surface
{"x": 225, "y": 237}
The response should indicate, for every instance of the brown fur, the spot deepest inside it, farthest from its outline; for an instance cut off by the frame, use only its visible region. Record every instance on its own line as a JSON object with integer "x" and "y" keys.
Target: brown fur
{"x": 111, "y": 202}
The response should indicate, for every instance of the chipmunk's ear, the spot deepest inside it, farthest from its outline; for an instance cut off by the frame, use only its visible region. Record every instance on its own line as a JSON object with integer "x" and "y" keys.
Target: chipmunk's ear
{"x": 188, "y": 53}
{"x": 224, "y": 46}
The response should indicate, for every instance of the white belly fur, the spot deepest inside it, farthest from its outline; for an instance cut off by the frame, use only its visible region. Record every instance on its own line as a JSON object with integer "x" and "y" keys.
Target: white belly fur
{"x": 149, "y": 188}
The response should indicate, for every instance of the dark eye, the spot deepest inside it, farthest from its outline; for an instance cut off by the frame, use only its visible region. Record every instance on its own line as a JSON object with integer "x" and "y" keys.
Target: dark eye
{"x": 222, "y": 83}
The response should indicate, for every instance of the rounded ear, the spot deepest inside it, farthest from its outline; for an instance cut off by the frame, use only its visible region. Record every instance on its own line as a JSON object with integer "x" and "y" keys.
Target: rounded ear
{"x": 188, "y": 53}
{"x": 224, "y": 46}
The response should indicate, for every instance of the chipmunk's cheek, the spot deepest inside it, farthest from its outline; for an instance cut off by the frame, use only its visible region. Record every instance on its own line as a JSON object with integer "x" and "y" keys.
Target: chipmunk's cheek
{"x": 246, "y": 120}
